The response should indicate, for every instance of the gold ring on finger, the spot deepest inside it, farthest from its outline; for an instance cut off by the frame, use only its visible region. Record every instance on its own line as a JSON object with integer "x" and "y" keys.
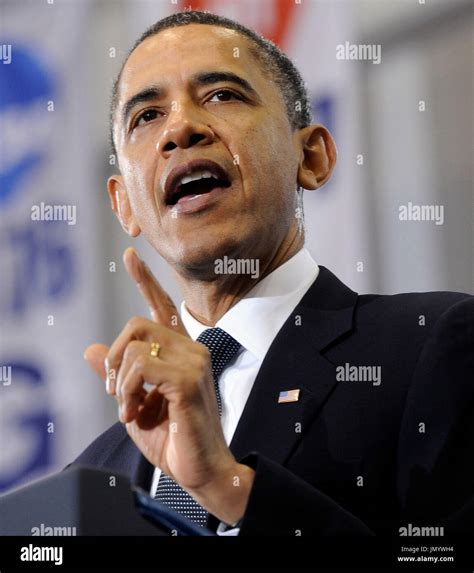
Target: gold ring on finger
{"x": 155, "y": 349}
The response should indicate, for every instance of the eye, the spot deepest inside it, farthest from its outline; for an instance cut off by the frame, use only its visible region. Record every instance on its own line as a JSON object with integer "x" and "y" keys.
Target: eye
{"x": 225, "y": 95}
{"x": 146, "y": 116}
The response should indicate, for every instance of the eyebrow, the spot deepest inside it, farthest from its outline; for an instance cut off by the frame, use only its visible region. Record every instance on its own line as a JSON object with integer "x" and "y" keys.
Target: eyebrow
{"x": 155, "y": 92}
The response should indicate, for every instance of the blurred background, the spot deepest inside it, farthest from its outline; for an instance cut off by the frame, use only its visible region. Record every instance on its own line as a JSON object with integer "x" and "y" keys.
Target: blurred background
{"x": 404, "y": 132}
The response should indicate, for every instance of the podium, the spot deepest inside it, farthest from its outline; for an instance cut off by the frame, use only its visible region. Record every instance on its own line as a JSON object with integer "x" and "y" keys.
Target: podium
{"x": 83, "y": 500}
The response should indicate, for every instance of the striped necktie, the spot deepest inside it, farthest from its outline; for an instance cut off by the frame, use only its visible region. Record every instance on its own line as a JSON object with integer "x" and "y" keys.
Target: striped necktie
{"x": 222, "y": 348}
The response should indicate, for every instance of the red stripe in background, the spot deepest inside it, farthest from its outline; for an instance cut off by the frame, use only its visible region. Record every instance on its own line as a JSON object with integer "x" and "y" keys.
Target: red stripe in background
{"x": 282, "y": 21}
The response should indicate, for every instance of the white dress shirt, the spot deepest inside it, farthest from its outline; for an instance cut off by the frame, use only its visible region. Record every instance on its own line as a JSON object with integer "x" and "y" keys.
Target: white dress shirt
{"x": 254, "y": 322}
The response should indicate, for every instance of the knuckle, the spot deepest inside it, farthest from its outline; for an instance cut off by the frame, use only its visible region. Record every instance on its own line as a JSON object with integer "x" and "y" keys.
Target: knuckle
{"x": 135, "y": 322}
{"x": 140, "y": 363}
{"x": 130, "y": 350}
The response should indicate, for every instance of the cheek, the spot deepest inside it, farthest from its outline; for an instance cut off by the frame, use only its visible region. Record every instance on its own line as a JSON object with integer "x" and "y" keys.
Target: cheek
{"x": 139, "y": 182}
{"x": 268, "y": 163}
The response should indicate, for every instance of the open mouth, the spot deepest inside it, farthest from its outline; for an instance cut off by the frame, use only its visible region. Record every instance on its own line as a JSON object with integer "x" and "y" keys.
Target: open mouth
{"x": 189, "y": 181}
{"x": 187, "y": 191}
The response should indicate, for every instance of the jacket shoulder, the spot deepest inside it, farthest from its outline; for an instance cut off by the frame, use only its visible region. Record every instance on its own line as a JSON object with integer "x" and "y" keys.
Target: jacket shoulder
{"x": 399, "y": 308}
{"x": 400, "y": 325}
{"x": 104, "y": 446}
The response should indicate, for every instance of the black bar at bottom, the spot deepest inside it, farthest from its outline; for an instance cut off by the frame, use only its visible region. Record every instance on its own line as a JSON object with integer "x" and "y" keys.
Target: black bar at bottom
{"x": 135, "y": 553}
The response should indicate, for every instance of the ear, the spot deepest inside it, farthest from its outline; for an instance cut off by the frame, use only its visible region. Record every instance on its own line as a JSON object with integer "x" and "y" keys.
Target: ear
{"x": 121, "y": 205}
{"x": 318, "y": 156}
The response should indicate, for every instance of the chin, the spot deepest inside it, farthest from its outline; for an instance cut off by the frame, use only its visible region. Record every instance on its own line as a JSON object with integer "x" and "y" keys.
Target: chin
{"x": 197, "y": 258}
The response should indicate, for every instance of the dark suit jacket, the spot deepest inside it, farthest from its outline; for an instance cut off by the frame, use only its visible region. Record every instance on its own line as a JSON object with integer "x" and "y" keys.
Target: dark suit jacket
{"x": 351, "y": 457}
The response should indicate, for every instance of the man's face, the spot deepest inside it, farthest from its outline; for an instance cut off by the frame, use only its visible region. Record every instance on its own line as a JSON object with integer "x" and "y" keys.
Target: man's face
{"x": 198, "y": 119}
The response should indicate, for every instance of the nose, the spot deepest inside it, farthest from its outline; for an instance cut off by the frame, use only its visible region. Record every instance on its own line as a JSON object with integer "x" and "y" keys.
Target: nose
{"x": 184, "y": 130}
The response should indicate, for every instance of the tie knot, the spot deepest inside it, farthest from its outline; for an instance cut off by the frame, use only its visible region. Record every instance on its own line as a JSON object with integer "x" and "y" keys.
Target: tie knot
{"x": 222, "y": 348}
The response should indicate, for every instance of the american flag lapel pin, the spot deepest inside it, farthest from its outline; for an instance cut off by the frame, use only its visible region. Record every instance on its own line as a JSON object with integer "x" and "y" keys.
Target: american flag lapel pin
{"x": 289, "y": 396}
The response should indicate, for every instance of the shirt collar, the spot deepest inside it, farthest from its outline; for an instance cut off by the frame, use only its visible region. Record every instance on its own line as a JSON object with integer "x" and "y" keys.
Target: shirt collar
{"x": 256, "y": 319}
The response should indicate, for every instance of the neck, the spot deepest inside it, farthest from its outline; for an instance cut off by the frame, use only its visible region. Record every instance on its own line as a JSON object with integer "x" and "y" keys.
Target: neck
{"x": 208, "y": 301}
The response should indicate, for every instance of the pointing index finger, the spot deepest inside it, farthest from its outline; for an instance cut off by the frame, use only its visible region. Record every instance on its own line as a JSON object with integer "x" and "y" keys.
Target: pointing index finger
{"x": 161, "y": 306}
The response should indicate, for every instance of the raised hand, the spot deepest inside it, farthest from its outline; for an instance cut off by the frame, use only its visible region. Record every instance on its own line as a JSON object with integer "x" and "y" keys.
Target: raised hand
{"x": 176, "y": 423}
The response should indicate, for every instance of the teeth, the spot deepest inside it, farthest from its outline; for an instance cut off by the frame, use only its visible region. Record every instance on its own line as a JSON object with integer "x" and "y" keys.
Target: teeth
{"x": 195, "y": 176}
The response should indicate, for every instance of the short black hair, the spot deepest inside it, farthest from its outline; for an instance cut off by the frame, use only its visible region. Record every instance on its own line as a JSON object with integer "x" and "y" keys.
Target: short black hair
{"x": 275, "y": 62}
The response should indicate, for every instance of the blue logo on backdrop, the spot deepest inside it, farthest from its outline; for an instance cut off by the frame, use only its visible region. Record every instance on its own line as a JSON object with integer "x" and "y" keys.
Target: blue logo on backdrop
{"x": 26, "y": 442}
{"x": 37, "y": 263}
{"x": 323, "y": 108}
{"x": 40, "y": 258}
{"x": 25, "y": 124}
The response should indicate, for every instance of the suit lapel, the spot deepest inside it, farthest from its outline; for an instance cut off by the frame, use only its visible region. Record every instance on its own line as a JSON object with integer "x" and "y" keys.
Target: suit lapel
{"x": 295, "y": 361}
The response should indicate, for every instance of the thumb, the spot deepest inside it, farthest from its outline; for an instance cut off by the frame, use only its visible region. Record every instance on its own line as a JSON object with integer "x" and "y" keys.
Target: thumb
{"x": 95, "y": 356}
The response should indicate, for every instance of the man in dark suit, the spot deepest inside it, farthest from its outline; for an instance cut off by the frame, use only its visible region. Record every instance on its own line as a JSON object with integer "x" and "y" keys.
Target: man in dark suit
{"x": 280, "y": 402}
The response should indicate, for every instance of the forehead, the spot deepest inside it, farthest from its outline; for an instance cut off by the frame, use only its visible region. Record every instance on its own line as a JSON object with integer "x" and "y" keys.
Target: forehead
{"x": 176, "y": 53}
